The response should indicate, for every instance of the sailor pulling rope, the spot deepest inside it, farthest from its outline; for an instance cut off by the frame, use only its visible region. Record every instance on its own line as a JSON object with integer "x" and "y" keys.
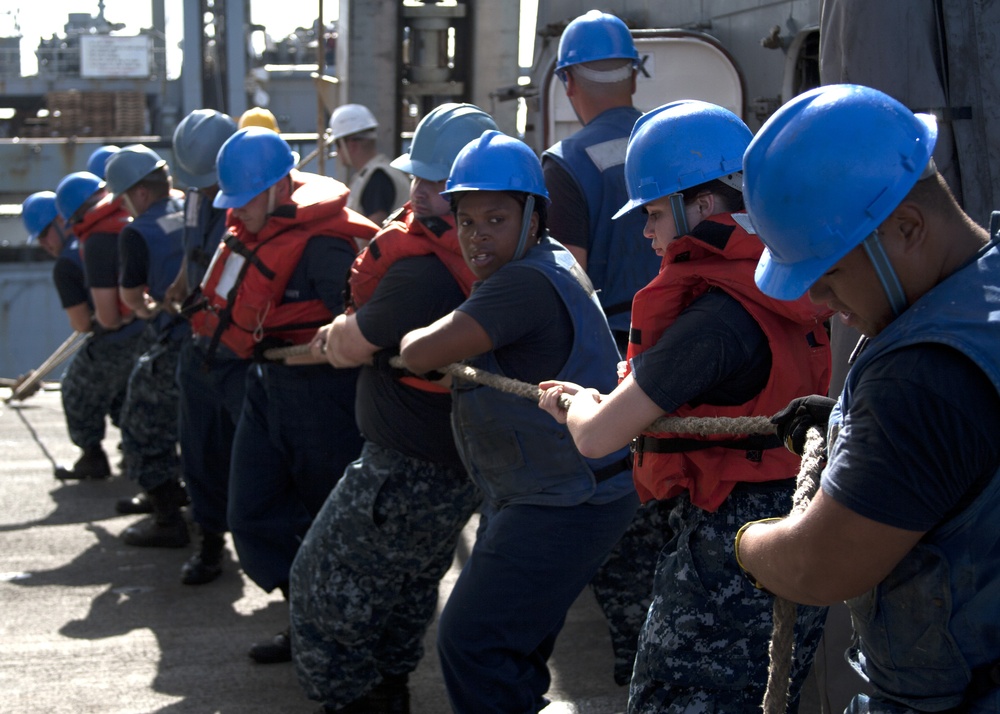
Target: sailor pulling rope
{"x": 807, "y": 481}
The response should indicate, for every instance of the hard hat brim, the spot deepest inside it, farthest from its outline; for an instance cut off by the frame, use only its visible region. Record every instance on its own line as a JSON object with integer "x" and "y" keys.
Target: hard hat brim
{"x": 629, "y": 207}
{"x": 783, "y": 281}
{"x": 420, "y": 169}
{"x": 236, "y": 200}
{"x": 195, "y": 180}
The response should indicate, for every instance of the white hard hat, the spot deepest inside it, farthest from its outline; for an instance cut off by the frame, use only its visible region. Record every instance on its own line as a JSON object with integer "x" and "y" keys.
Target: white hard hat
{"x": 350, "y": 119}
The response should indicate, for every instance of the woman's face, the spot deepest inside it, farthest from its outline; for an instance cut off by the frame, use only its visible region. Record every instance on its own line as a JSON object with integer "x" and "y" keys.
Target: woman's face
{"x": 660, "y": 226}
{"x": 489, "y": 226}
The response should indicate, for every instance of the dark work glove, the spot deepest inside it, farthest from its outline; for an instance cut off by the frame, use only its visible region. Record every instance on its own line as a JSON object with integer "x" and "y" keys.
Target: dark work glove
{"x": 793, "y": 421}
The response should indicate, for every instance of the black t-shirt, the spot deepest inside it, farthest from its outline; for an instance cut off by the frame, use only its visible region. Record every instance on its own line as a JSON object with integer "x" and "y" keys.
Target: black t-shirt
{"x": 133, "y": 259}
{"x": 379, "y": 194}
{"x": 713, "y": 353}
{"x": 413, "y": 293}
{"x": 529, "y": 324}
{"x": 920, "y": 440}
{"x": 568, "y": 215}
{"x": 100, "y": 260}
{"x": 68, "y": 278}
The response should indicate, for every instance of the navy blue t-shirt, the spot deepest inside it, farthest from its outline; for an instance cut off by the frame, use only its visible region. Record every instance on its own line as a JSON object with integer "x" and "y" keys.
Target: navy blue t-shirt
{"x": 321, "y": 273}
{"x": 920, "y": 440}
{"x": 527, "y": 321}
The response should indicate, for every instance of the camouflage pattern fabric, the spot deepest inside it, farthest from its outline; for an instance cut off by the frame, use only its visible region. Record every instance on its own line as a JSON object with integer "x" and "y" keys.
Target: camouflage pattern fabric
{"x": 149, "y": 416}
{"x": 364, "y": 585}
{"x": 704, "y": 646}
{"x": 94, "y": 384}
{"x": 623, "y": 585}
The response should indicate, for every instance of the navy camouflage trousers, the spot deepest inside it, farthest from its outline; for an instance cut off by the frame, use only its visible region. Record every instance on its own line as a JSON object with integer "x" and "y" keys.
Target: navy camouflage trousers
{"x": 704, "y": 647}
{"x": 93, "y": 386}
{"x": 364, "y": 585}
{"x": 623, "y": 585}
{"x": 149, "y": 415}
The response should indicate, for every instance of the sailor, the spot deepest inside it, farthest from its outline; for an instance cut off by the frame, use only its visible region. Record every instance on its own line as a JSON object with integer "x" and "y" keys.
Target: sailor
{"x": 704, "y": 342}
{"x": 210, "y": 390}
{"x": 365, "y": 581}
{"x": 585, "y": 173}
{"x": 550, "y": 516}
{"x": 90, "y": 392}
{"x": 149, "y": 255}
{"x": 597, "y": 62}
{"x": 258, "y": 116}
{"x": 377, "y": 189}
{"x": 277, "y": 276}
{"x": 96, "y": 379}
{"x": 98, "y": 158}
{"x": 842, "y": 188}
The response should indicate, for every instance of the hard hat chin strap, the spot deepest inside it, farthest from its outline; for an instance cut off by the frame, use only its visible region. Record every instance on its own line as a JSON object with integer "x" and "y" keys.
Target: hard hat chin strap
{"x": 680, "y": 216}
{"x": 886, "y": 275}
{"x": 522, "y": 240}
{"x": 61, "y": 232}
{"x": 129, "y": 206}
{"x": 272, "y": 198}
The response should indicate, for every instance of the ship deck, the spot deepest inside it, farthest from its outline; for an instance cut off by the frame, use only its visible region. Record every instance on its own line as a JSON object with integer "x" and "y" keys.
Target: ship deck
{"x": 91, "y": 625}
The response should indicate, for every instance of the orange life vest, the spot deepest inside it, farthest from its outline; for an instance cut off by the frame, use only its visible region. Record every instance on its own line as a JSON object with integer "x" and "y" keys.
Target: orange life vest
{"x": 244, "y": 286}
{"x": 406, "y": 236}
{"x": 107, "y": 216}
{"x": 666, "y": 464}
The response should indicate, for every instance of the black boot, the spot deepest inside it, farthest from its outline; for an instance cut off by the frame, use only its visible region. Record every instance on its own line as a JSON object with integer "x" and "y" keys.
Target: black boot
{"x": 92, "y": 464}
{"x": 167, "y": 528}
{"x": 275, "y": 650}
{"x": 390, "y": 696}
{"x": 205, "y": 565}
{"x": 137, "y": 505}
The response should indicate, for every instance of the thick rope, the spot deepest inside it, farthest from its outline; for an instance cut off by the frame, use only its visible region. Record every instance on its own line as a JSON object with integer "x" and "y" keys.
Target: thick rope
{"x": 782, "y": 647}
{"x": 701, "y": 426}
{"x": 23, "y": 390}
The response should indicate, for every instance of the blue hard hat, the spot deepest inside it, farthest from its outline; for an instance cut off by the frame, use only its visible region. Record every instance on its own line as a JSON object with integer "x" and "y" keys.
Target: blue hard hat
{"x": 496, "y": 162}
{"x": 37, "y": 213}
{"x": 249, "y": 162}
{"x": 595, "y": 36}
{"x": 130, "y": 165}
{"x": 680, "y": 145}
{"x": 440, "y": 136}
{"x": 197, "y": 140}
{"x": 99, "y": 158}
{"x": 821, "y": 175}
{"x": 74, "y": 190}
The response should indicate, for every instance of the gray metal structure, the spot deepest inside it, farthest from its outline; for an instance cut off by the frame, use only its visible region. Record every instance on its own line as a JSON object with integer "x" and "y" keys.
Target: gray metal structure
{"x": 401, "y": 59}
